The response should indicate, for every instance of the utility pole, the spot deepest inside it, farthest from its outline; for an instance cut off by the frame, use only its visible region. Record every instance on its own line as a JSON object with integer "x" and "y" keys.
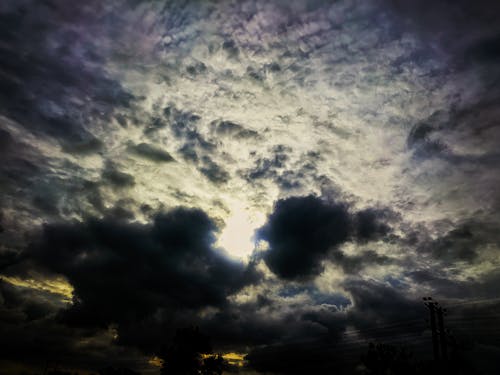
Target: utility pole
{"x": 442, "y": 332}
{"x": 432, "y": 306}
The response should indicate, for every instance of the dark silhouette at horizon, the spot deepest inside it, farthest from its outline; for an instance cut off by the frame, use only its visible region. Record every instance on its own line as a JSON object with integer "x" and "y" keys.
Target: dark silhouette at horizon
{"x": 191, "y": 353}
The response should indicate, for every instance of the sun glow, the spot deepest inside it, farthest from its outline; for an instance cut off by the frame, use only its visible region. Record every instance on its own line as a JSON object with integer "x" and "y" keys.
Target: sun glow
{"x": 237, "y": 237}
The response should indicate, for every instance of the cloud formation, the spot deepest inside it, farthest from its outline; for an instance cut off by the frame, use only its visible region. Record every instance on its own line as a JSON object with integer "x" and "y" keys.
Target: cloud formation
{"x": 284, "y": 174}
{"x": 303, "y": 231}
{"x": 125, "y": 273}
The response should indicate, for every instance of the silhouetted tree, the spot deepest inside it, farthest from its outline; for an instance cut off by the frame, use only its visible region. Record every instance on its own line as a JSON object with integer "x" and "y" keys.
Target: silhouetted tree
{"x": 191, "y": 354}
{"x": 213, "y": 365}
{"x": 383, "y": 359}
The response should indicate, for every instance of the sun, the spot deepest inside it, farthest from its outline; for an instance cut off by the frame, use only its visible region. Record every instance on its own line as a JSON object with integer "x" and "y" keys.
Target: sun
{"x": 237, "y": 237}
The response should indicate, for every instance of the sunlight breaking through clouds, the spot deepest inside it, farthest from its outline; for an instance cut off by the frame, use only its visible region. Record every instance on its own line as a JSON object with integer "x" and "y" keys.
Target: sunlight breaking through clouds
{"x": 274, "y": 172}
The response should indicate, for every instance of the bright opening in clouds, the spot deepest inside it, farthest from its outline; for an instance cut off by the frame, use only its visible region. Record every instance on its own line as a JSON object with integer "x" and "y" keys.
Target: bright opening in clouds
{"x": 291, "y": 177}
{"x": 237, "y": 237}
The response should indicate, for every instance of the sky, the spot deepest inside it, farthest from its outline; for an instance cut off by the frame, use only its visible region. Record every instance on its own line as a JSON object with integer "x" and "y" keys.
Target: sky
{"x": 292, "y": 177}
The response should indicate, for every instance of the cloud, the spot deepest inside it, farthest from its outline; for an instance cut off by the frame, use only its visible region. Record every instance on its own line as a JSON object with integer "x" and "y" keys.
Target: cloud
{"x": 232, "y": 129}
{"x": 470, "y": 241}
{"x": 6, "y": 141}
{"x": 304, "y": 231}
{"x": 300, "y": 232}
{"x": 458, "y": 23}
{"x": 151, "y": 153}
{"x": 213, "y": 171}
{"x": 110, "y": 113}
{"x": 30, "y": 334}
{"x": 382, "y": 302}
{"x": 117, "y": 178}
{"x": 372, "y": 223}
{"x": 85, "y": 147}
{"x": 268, "y": 167}
{"x": 125, "y": 273}
{"x": 51, "y": 71}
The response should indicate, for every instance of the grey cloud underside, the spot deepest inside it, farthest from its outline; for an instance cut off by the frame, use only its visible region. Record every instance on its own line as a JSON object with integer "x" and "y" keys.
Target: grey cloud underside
{"x": 361, "y": 138}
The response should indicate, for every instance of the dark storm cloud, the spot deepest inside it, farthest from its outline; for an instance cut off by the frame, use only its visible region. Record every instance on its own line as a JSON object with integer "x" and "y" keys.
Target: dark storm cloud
{"x": 145, "y": 279}
{"x": 52, "y": 77}
{"x": 303, "y": 231}
{"x": 300, "y": 231}
{"x": 126, "y": 273}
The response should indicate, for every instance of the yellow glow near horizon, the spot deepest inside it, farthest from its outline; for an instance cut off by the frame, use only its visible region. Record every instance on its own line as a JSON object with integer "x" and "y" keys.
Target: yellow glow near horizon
{"x": 236, "y": 359}
{"x": 237, "y": 236}
{"x": 57, "y": 285}
{"x": 155, "y": 361}
{"x": 233, "y": 358}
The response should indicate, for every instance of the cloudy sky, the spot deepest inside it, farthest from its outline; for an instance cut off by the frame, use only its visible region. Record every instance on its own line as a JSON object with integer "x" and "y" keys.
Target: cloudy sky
{"x": 290, "y": 176}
